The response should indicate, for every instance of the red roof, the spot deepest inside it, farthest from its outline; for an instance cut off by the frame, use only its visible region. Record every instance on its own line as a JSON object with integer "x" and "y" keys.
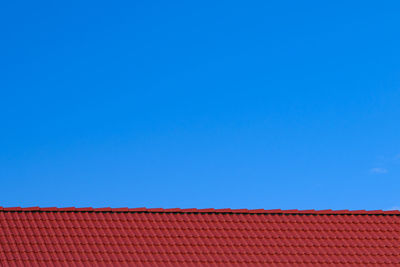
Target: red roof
{"x": 187, "y": 237}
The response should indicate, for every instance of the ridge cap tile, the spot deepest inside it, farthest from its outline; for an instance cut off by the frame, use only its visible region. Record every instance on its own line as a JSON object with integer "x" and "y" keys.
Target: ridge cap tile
{"x": 327, "y": 211}
{"x": 392, "y": 211}
{"x": 30, "y": 209}
{"x": 84, "y": 209}
{"x": 240, "y": 210}
{"x": 137, "y": 209}
{"x": 207, "y": 210}
{"x": 291, "y": 211}
{"x": 120, "y": 209}
{"x": 67, "y": 209}
{"x": 223, "y": 210}
{"x": 103, "y": 209}
{"x": 264, "y": 211}
{"x": 156, "y": 210}
{"x": 306, "y": 211}
{"x": 359, "y": 212}
{"x": 340, "y": 211}
{"x": 373, "y": 211}
{"x": 172, "y": 210}
{"x": 12, "y": 208}
{"x": 270, "y": 211}
{"x": 189, "y": 210}
{"x": 49, "y": 209}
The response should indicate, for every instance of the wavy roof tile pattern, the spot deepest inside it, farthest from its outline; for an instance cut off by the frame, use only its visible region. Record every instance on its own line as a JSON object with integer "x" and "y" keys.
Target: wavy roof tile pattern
{"x": 197, "y": 237}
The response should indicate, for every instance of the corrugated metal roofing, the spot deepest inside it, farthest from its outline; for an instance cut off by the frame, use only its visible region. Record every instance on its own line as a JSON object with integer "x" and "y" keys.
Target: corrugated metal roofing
{"x": 202, "y": 237}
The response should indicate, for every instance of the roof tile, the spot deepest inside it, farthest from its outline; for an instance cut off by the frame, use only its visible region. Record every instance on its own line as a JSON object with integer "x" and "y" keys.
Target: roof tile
{"x": 169, "y": 237}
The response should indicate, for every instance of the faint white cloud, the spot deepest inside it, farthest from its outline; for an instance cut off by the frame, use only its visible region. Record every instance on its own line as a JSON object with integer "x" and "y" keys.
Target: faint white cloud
{"x": 378, "y": 170}
{"x": 394, "y": 208}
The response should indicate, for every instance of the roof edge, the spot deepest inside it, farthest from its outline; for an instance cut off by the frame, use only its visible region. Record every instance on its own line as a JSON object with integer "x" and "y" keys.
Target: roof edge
{"x": 211, "y": 210}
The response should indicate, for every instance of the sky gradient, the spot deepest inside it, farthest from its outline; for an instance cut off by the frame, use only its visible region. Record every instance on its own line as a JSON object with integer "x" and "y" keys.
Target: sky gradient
{"x": 239, "y": 104}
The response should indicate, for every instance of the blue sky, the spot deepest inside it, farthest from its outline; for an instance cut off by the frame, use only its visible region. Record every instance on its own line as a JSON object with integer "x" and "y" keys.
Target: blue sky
{"x": 240, "y": 104}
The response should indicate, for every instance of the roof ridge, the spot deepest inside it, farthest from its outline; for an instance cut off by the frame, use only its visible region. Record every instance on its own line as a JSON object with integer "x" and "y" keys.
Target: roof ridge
{"x": 194, "y": 210}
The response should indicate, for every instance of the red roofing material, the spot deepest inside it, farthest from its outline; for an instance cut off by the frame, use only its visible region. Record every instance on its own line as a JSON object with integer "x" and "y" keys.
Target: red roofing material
{"x": 197, "y": 237}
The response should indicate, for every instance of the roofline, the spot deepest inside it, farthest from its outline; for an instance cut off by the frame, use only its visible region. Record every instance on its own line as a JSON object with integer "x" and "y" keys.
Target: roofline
{"x": 223, "y": 211}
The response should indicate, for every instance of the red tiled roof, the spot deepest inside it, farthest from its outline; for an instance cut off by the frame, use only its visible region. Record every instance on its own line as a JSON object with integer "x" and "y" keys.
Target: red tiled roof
{"x": 176, "y": 237}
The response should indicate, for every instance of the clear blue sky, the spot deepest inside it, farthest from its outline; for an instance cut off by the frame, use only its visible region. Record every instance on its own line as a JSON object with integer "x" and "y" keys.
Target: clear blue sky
{"x": 241, "y": 104}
